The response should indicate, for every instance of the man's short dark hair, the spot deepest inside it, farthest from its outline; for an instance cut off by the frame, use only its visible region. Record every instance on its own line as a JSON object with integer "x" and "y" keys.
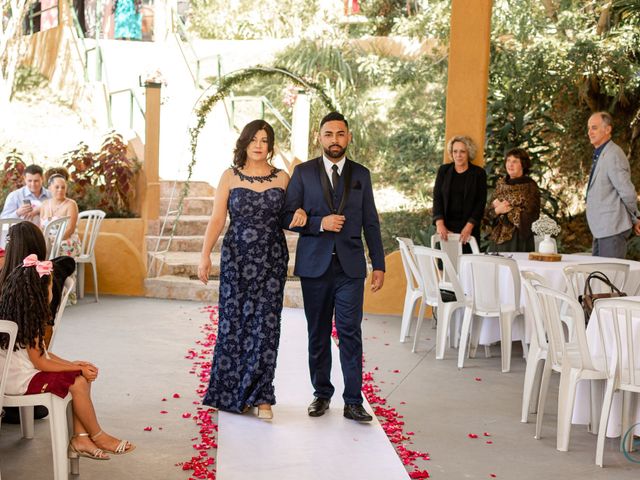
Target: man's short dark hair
{"x": 34, "y": 169}
{"x": 333, "y": 116}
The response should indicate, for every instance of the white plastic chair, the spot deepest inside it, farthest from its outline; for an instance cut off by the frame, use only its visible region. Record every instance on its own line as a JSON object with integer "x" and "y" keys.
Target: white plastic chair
{"x": 69, "y": 284}
{"x": 485, "y": 275}
{"x": 59, "y": 408}
{"x": 91, "y": 229}
{"x": 414, "y": 285}
{"x": 576, "y": 276}
{"x": 568, "y": 355}
{"x": 53, "y": 234}
{"x": 453, "y": 248}
{"x": 5, "y": 225}
{"x": 622, "y": 362}
{"x": 538, "y": 347}
{"x": 60, "y": 424}
{"x": 10, "y": 329}
{"x": 427, "y": 259}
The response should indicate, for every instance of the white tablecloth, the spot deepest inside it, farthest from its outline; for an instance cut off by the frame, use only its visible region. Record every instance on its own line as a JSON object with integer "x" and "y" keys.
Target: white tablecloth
{"x": 552, "y": 272}
{"x": 582, "y": 406}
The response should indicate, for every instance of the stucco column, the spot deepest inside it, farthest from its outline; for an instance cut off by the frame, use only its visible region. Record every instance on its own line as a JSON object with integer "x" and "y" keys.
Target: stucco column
{"x": 468, "y": 75}
{"x": 152, "y": 149}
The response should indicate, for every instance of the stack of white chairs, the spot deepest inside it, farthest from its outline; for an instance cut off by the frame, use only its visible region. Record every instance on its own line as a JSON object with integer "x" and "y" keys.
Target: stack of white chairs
{"x": 567, "y": 355}
{"x": 622, "y": 362}
{"x": 415, "y": 287}
{"x": 485, "y": 275}
{"x": 427, "y": 260}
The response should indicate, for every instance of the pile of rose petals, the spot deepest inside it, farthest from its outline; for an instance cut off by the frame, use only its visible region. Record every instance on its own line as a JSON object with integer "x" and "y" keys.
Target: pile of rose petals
{"x": 393, "y": 426}
{"x": 202, "y": 464}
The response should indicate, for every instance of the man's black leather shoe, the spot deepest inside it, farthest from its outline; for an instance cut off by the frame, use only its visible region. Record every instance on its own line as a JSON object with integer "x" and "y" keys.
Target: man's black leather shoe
{"x": 357, "y": 413}
{"x": 318, "y": 407}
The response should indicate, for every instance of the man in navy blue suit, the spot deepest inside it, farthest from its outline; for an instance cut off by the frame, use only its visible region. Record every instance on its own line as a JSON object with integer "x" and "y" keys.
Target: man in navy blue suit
{"x": 337, "y": 195}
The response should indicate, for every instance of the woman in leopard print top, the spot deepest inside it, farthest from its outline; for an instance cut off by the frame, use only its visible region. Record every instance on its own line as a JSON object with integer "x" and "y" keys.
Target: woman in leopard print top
{"x": 514, "y": 206}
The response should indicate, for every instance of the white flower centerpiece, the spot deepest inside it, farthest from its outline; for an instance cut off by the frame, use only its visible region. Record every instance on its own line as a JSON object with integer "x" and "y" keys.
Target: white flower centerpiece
{"x": 546, "y": 227}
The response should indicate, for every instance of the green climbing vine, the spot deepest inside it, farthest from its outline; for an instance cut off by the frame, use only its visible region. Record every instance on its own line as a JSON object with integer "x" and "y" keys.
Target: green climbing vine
{"x": 206, "y": 103}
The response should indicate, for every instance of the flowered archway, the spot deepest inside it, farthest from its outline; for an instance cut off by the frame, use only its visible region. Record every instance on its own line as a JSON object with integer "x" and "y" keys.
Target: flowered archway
{"x": 205, "y": 104}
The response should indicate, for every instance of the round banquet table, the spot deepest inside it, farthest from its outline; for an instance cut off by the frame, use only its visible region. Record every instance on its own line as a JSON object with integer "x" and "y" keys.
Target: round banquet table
{"x": 582, "y": 405}
{"x": 552, "y": 272}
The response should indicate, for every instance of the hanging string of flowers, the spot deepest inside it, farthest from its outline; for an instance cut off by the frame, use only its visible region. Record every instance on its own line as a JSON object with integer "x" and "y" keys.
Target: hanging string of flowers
{"x": 205, "y": 104}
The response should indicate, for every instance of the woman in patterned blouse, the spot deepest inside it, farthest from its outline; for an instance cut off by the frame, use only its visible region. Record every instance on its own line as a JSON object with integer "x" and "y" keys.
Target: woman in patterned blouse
{"x": 514, "y": 206}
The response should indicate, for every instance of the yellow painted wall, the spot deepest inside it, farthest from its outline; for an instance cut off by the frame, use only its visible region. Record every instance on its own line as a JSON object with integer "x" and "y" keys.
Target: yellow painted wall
{"x": 390, "y": 299}
{"x": 468, "y": 74}
{"x": 120, "y": 257}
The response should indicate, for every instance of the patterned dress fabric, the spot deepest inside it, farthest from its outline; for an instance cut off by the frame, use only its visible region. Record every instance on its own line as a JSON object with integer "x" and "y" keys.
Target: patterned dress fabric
{"x": 128, "y": 21}
{"x": 253, "y": 272}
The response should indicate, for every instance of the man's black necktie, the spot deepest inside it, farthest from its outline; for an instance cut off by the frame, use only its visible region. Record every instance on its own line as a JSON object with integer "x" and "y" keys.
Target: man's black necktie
{"x": 334, "y": 177}
{"x": 593, "y": 169}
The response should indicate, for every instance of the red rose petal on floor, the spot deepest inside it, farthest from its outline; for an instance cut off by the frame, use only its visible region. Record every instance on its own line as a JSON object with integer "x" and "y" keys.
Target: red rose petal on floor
{"x": 478, "y": 379}
{"x": 176, "y": 395}
{"x": 492, "y": 475}
{"x": 186, "y": 415}
{"x": 486, "y": 434}
{"x": 396, "y": 371}
{"x": 472, "y": 435}
{"x": 147, "y": 429}
{"x": 403, "y": 403}
{"x": 163, "y": 400}
{"x": 489, "y": 442}
{"x": 163, "y": 412}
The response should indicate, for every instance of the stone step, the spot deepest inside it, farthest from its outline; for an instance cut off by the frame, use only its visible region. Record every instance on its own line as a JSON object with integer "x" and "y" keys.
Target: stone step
{"x": 193, "y": 243}
{"x": 191, "y": 205}
{"x": 196, "y": 189}
{"x": 182, "y": 288}
{"x": 185, "y": 264}
{"x": 187, "y": 225}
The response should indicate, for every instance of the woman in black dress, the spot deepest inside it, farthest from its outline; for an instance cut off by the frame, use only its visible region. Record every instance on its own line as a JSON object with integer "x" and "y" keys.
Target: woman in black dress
{"x": 460, "y": 193}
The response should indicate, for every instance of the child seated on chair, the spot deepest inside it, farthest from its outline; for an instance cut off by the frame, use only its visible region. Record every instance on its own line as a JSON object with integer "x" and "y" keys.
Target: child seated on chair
{"x": 24, "y": 299}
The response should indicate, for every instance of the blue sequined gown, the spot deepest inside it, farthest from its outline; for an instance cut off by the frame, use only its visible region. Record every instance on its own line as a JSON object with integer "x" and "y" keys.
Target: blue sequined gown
{"x": 253, "y": 271}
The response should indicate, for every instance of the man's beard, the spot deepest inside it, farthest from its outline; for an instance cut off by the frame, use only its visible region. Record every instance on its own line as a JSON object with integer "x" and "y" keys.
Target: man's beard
{"x": 335, "y": 153}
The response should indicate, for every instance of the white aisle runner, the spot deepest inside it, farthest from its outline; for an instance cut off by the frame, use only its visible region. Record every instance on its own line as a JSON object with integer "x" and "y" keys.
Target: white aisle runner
{"x": 294, "y": 446}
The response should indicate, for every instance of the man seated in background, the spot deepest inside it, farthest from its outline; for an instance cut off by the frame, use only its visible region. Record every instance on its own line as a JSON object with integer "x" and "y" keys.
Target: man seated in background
{"x": 25, "y": 202}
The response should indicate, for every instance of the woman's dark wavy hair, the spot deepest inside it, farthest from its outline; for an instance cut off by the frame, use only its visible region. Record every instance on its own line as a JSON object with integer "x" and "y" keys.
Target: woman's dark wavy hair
{"x": 24, "y": 239}
{"x": 245, "y": 138}
{"x": 24, "y": 300}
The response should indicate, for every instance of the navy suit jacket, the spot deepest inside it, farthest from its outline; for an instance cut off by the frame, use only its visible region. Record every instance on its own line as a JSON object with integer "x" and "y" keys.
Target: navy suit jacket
{"x": 310, "y": 190}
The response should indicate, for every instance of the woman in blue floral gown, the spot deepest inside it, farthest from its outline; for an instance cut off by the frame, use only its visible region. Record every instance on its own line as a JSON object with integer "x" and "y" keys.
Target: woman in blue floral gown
{"x": 253, "y": 270}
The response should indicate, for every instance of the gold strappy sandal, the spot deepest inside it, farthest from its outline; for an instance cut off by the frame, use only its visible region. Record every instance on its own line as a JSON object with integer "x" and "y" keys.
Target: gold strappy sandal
{"x": 121, "y": 449}
{"x": 97, "y": 454}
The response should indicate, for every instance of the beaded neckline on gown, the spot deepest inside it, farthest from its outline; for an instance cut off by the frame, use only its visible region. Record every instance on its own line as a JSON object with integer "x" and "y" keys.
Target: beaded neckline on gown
{"x": 259, "y": 179}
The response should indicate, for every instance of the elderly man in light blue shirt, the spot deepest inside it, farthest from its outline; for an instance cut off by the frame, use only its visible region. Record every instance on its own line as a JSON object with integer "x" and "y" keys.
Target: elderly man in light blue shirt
{"x": 25, "y": 202}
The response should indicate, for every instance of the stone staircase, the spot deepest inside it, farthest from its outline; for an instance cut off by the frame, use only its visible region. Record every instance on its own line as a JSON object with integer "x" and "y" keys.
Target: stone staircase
{"x": 174, "y": 273}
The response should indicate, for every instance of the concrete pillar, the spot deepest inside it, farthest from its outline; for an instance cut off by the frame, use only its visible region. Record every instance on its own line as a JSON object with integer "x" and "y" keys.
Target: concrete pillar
{"x": 468, "y": 75}
{"x": 152, "y": 149}
{"x": 300, "y": 128}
